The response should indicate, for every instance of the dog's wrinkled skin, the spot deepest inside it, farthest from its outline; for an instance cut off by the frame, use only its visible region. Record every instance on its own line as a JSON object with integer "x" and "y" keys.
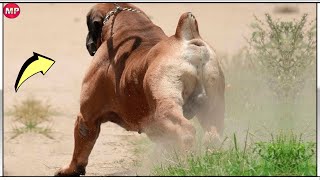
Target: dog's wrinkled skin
{"x": 147, "y": 82}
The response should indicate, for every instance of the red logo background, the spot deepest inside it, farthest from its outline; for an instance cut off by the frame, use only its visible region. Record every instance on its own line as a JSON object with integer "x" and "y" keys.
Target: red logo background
{"x": 9, "y": 15}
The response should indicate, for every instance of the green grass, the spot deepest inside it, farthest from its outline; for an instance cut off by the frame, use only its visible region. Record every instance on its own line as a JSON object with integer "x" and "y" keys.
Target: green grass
{"x": 29, "y": 117}
{"x": 284, "y": 155}
{"x": 287, "y": 155}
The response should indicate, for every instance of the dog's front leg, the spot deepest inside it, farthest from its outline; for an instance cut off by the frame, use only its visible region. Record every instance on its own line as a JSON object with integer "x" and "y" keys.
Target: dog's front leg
{"x": 85, "y": 135}
{"x": 87, "y": 125}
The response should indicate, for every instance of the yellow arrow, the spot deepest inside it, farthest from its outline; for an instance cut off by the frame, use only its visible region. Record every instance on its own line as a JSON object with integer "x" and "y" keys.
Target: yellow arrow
{"x": 36, "y": 63}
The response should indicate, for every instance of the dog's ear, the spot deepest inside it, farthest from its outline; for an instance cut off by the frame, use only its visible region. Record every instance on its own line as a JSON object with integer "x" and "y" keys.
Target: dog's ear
{"x": 94, "y": 20}
{"x": 97, "y": 23}
{"x": 94, "y": 23}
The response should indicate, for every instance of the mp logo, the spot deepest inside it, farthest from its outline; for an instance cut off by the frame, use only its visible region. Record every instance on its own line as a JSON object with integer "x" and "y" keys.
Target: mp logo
{"x": 11, "y": 10}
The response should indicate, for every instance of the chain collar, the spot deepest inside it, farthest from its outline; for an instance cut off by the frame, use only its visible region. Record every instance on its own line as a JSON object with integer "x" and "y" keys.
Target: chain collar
{"x": 117, "y": 10}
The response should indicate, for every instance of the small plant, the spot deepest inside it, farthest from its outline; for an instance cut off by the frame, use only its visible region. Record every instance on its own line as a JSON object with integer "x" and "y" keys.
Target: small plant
{"x": 29, "y": 116}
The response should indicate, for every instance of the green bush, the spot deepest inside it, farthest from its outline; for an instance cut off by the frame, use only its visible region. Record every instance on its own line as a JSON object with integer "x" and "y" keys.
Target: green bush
{"x": 271, "y": 83}
{"x": 284, "y": 52}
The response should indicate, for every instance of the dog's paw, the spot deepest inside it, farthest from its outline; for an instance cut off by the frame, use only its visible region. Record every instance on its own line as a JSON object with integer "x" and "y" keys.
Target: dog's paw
{"x": 212, "y": 137}
{"x": 67, "y": 171}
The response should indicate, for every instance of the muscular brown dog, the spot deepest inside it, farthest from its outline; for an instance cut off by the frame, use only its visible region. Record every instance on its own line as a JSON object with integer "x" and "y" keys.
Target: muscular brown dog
{"x": 145, "y": 81}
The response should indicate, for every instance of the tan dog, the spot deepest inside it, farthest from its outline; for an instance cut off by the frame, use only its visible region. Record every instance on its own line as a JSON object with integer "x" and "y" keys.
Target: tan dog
{"x": 144, "y": 81}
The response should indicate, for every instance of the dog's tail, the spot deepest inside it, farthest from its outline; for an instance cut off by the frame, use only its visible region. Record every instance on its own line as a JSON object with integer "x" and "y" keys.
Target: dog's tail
{"x": 187, "y": 27}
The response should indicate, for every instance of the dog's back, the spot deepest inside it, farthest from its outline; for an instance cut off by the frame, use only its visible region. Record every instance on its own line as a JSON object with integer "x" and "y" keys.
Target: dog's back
{"x": 127, "y": 39}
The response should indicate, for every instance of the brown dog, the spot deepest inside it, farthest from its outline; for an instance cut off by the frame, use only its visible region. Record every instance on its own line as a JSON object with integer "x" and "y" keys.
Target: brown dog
{"x": 144, "y": 81}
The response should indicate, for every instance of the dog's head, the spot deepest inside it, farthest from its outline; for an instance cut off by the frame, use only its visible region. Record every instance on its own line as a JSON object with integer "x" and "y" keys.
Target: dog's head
{"x": 95, "y": 19}
{"x": 94, "y": 23}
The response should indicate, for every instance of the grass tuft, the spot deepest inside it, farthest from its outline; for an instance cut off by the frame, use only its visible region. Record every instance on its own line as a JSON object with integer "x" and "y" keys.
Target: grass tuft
{"x": 29, "y": 116}
{"x": 287, "y": 155}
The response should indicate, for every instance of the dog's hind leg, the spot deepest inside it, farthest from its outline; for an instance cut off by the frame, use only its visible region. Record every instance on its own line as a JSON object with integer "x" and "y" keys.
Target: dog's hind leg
{"x": 208, "y": 102}
{"x": 164, "y": 87}
{"x": 211, "y": 116}
{"x": 170, "y": 127}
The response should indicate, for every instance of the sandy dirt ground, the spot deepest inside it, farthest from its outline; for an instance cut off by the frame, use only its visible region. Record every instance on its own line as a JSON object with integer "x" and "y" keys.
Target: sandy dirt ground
{"x": 58, "y": 31}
